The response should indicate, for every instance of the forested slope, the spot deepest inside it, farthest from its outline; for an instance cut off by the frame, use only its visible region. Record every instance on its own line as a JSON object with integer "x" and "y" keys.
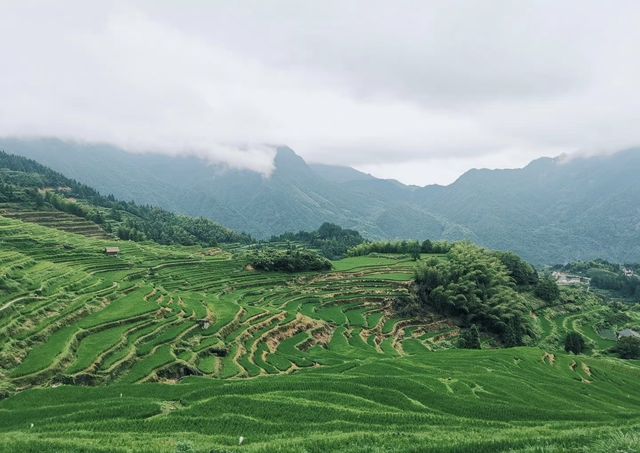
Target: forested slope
{"x": 32, "y": 192}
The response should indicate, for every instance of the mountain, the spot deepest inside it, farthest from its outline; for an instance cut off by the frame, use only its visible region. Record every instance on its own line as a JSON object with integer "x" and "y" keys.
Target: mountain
{"x": 552, "y": 211}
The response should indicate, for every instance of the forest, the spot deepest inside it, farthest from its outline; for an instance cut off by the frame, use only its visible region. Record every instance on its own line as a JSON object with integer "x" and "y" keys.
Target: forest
{"x": 474, "y": 286}
{"x": 23, "y": 181}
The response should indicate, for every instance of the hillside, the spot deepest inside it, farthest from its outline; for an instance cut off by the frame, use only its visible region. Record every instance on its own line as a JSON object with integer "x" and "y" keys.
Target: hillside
{"x": 549, "y": 212}
{"x": 318, "y": 361}
{"x": 34, "y": 193}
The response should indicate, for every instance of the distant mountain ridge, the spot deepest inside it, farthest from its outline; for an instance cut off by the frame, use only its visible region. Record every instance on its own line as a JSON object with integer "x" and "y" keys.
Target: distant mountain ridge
{"x": 551, "y": 211}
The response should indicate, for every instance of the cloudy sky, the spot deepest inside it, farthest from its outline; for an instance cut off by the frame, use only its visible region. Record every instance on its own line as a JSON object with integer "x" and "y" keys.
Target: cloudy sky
{"x": 416, "y": 90}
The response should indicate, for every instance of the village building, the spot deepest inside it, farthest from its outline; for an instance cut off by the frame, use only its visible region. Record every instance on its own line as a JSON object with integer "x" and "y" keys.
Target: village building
{"x": 628, "y": 333}
{"x": 565, "y": 279}
{"x": 111, "y": 251}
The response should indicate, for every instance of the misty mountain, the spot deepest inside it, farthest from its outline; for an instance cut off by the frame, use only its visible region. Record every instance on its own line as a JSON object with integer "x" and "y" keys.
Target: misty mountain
{"x": 553, "y": 210}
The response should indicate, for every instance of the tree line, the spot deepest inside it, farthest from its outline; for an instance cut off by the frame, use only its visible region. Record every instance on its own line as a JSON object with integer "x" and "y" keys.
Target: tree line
{"x": 412, "y": 248}
{"x": 273, "y": 259}
{"x": 330, "y": 239}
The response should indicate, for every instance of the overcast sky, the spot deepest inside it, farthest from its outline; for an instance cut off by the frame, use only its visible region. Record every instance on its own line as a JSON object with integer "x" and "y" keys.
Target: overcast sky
{"x": 419, "y": 91}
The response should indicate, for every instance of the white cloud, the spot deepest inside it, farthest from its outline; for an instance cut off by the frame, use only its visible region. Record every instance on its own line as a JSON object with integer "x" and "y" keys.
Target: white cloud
{"x": 418, "y": 91}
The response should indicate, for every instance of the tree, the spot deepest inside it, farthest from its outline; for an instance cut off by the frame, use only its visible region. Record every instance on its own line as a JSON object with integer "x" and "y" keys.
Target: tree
{"x": 514, "y": 333}
{"x": 470, "y": 338}
{"x": 414, "y": 250}
{"x": 574, "y": 342}
{"x": 521, "y": 271}
{"x": 547, "y": 289}
{"x": 628, "y": 348}
{"x": 427, "y": 246}
{"x": 332, "y": 240}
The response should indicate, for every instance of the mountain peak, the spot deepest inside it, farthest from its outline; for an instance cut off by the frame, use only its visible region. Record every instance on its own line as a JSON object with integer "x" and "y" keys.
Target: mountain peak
{"x": 287, "y": 159}
{"x": 284, "y": 152}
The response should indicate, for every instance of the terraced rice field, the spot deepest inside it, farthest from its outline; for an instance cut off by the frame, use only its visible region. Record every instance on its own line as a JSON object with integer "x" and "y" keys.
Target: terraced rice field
{"x": 157, "y": 313}
{"x": 304, "y": 362}
{"x": 53, "y": 219}
{"x": 555, "y": 322}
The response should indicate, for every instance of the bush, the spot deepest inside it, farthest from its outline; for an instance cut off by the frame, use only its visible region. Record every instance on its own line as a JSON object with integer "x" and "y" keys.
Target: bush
{"x": 184, "y": 447}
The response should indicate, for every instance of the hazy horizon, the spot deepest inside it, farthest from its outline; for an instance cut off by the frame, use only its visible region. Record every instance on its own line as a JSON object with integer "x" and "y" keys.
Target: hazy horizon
{"x": 454, "y": 174}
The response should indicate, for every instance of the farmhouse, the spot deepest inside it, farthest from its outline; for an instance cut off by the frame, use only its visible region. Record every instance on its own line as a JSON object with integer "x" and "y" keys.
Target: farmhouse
{"x": 628, "y": 272}
{"x": 565, "y": 279}
{"x": 628, "y": 333}
{"x": 111, "y": 251}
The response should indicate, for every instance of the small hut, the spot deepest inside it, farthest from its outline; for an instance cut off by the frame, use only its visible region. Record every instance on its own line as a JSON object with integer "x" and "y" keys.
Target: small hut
{"x": 111, "y": 251}
{"x": 628, "y": 333}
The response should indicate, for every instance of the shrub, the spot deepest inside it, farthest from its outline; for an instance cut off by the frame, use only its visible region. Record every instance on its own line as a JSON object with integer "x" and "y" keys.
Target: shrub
{"x": 184, "y": 447}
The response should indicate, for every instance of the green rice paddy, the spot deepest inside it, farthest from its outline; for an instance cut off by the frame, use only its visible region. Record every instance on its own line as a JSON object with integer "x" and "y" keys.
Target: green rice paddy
{"x": 174, "y": 347}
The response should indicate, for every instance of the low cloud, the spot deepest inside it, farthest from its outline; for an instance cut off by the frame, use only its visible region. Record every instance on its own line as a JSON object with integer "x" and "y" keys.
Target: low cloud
{"x": 418, "y": 91}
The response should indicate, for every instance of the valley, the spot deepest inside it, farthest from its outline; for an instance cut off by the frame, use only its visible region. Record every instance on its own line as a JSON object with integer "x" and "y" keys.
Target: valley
{"x": 318, "y": 227}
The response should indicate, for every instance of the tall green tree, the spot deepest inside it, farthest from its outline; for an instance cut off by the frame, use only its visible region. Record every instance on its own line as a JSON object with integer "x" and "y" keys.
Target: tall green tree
{"x": 574, "y": 342}
{"x": 628, "y": 348}
{"x": 547, "y": 289}
{"x": 470, "y": 338}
